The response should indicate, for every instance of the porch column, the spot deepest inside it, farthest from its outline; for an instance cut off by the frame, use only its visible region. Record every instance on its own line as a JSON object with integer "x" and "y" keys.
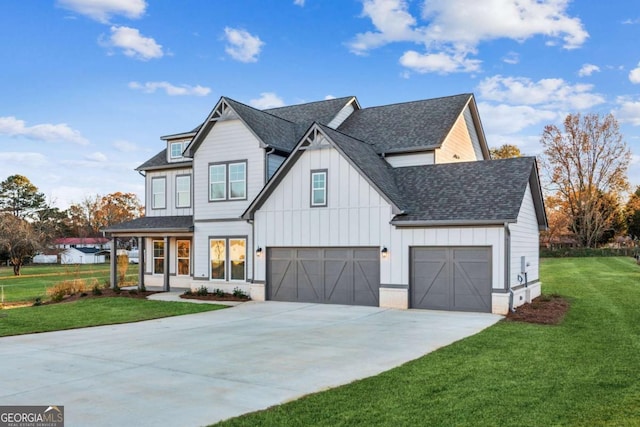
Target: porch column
{"x": 141, "y": 262}
{"x": 166, "y": 288}
{"x": 114, "y": 262}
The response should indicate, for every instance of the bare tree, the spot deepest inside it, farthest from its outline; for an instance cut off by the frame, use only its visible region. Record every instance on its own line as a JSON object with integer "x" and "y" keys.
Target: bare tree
{"x": 586, "y": 164}
{"x": 19, "y": 239}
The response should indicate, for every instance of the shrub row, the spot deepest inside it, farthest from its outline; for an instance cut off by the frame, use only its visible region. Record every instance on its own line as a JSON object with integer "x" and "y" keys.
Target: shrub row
{"x": 587, "y": 252}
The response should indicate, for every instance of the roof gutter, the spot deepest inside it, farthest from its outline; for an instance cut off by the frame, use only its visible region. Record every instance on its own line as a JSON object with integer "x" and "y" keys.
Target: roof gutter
{"x": 448, "y": 223}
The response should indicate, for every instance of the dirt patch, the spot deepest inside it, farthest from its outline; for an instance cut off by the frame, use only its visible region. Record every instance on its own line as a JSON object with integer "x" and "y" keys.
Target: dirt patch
{"x": 215, "y": 297}
{"x": 546, "y": 310}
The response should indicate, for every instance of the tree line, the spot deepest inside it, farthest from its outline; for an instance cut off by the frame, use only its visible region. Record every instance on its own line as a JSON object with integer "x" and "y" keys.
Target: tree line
{"x": 584, "y": 172}
{"x": 29, "y": 224}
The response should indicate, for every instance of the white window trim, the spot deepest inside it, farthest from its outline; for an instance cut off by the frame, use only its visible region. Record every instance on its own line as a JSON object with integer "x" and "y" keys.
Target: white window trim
{"x": 154, "y": 257}
{"x": 244, "y": 181}
{"x": 164, "y": 192}
{"x": 324, "y": 173}
{"x": 223, "y": 165}
{"x": 178, "y": 192}
{"x": 228, "y": 260}
{"x": 183, "y": 146}
{"x": 227, "y": 180}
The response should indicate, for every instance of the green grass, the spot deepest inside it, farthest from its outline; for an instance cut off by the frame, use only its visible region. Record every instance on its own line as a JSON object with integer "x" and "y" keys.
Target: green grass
{"x": 584, "y": 372}
{"x": 91, "y": 312}
{"x": 35, "y": 279}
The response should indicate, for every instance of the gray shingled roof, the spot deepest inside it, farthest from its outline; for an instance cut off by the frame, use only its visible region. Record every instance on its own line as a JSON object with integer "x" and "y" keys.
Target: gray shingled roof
{"x": 483, "y": 191}
{"x": 373, "y": 167}
{"x": 305, "y": 114}
{"x": 159, "y": 161}
{"x": 153, "y": 223}
{"x": 418, "y": 124}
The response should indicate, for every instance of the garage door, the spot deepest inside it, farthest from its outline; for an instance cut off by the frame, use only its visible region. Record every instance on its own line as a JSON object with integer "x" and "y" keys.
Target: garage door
{"x": 451, "y": 278}
{"x": 324, "y": 275}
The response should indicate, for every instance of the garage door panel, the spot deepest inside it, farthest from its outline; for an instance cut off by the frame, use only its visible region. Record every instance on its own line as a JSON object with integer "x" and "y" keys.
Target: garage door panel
{"x": 325, "y": 275}
{"x": 451, "y": 278}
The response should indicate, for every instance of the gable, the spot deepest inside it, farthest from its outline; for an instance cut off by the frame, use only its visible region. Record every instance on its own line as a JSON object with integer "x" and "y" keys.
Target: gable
{"x": 461, "y": 144}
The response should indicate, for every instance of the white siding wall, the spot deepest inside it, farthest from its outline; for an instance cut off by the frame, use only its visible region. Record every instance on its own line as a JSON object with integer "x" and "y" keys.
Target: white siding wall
{"x": 228, "y": 140}
{"x": 525, "y": 240}
{"x": 414, "y": 159}
{"x": 341, "y": 116}
{"x": 356, "y": 215}
{"x": 458, "y": 146}
{"x": 170, "y": 191}
{"x": 473, "y": 134}
{"x": 204, "y": 230}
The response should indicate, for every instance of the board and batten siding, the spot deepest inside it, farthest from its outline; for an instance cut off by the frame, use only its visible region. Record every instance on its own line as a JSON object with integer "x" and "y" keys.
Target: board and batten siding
{"x": 525, "y": 240}
{"x": 413, "y": 159}
{"x": 228, "y": 140}
{"x": 356, "y": 215}
{"x": 170, "y": 193}
{"x": 203, "y": 230}
{"x": 459, "y": 145}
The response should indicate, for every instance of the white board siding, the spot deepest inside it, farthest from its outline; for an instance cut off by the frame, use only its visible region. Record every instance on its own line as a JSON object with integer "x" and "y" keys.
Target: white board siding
{"x": 458, "y": 146}
{"x": 228, "y": 140}
{"x": 525, "y": 240}
{"x": 170, "y": 189}
{"x": 341, "y": 116}
{"x": 356, "y": 215}
{"x": 414, "y": 159}
{"x": 473, "y": 134}
{"x": 200, "y": 246}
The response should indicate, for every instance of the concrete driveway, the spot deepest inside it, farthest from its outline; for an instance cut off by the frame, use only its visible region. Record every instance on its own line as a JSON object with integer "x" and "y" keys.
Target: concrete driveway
{"x": 198, "y": 369}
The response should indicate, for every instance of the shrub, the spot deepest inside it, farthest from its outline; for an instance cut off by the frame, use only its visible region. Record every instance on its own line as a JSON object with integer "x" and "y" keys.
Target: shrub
{"x": 219, "y": 292}
{"x": 187, "y": 293}
{"x": 96, "y": 290}
{"x": 202, "y": 291}
{"x": 66, "y": 287}
{"x": 123, "y": 265}
{"x": 239, "y": 293}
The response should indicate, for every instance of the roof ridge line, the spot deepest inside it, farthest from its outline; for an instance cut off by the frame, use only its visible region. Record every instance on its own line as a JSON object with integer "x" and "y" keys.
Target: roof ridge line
{"x": 417, "y": 100}
{"x": 256, "y": 109}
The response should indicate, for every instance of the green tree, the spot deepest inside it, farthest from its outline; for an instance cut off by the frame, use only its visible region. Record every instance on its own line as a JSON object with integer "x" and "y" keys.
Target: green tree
{"x": 632, "y": 214}
{"x": 505, "y": 151}
{"x": 586, "y": 164}
{"x": 20, "y": 197}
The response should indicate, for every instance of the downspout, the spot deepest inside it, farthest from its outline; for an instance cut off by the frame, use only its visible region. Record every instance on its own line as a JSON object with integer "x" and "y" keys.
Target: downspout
{"x": 507, "y": 264}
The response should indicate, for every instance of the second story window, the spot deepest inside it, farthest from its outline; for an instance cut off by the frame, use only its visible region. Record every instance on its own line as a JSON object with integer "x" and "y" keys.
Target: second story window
{"x": 176, "y": 149}
{"x": 228, "y": 181}
{"x": 158, "y": 193}
{"x": 183, "y": 191}
{"x": 319, "y": 188}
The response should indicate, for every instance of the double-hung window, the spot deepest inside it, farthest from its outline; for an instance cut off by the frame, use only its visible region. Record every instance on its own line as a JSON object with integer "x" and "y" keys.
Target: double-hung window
{"x": 183, "y": 191}
{"x": 183, "y": 254}
{"x": 228, "y": 181}
{"x": 158, "y": 193}
{"x": 228, "y": 258}
{"x": 319, "y": 188}
{"x": 176, "y": 149}
{"x": 158, "y": 257}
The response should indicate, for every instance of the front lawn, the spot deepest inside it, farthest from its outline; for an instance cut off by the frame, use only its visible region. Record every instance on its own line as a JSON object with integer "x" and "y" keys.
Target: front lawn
{"x": 91, "y": 312}
{"x": 585, "y": 371}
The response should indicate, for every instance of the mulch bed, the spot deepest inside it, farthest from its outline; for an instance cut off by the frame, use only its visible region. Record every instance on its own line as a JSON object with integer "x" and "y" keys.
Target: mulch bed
{"x": 214, "y": 297}
{"x": 107, "y": 292}
{"x": 546, "y": 310}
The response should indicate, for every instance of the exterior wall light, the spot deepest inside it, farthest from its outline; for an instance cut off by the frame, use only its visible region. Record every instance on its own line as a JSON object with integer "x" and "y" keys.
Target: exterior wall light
{"x": 384, "y": 252}
{"x": 259, "y": 252}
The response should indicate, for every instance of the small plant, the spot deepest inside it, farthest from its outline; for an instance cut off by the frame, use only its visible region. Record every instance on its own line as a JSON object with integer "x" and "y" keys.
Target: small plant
{"x": 133, "y": 292}
{"x": 188, "y": 293}
{"x": 37, "y": 302}
{"x": 143, "y": 288}
{"x": 66, "y": 287}
{"x": 117, "y": 289}
{"x": 218, "y": 292}
{"x": 96, "y": 290}
{"x": 202, "y": 291}
{"x": 123, "y": 265}
{"x": 239, "y": 293}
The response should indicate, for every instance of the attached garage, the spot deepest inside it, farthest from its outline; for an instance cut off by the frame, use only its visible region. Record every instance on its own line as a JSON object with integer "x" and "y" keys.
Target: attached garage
{"x": 324, "y": 275}
{"x": 451, "y": 278}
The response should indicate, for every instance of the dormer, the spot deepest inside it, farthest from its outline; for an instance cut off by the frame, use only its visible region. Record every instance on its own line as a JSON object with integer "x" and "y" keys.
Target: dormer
{"x": 177, "y": 145}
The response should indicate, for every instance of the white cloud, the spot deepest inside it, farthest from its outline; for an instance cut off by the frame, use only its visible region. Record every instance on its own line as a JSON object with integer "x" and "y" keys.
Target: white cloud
{"x": 549, "y": 93}
{"x": 133, "y": 44}
{"x": 96, "y": 157}
{"x": 125, "y": 146}
{"x": 634, "y": 75}
{"x": 171, "y": 90}
{"x": 453, "y": 29}
{"x": 511, "y": 58}
{"x": 43, "y": 132}
{"x": 242, "y": 46}
{"x": 102, "y": 10}
{"x": 441, "y": 62}
{"x": 267, "y": 100}
{"x": 508, "y": 119}
{"x": 588, "y": 69}
{"x": 328, "y": 97}
{"x": 299, "y": 2}
{"x": 628, "y": 111}
{"x": 28, "y": 159}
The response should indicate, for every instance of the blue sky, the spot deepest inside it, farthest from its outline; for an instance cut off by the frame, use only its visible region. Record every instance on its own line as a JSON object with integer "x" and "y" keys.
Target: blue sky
{"x": 87, "y": 87}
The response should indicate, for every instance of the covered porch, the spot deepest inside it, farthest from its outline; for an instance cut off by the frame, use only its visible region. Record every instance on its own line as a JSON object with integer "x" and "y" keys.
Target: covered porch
{"x": 164, "y": 245}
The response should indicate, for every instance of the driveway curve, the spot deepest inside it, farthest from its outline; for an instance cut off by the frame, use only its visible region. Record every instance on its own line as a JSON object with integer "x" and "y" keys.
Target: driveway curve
{"x": 197, "y": 369}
